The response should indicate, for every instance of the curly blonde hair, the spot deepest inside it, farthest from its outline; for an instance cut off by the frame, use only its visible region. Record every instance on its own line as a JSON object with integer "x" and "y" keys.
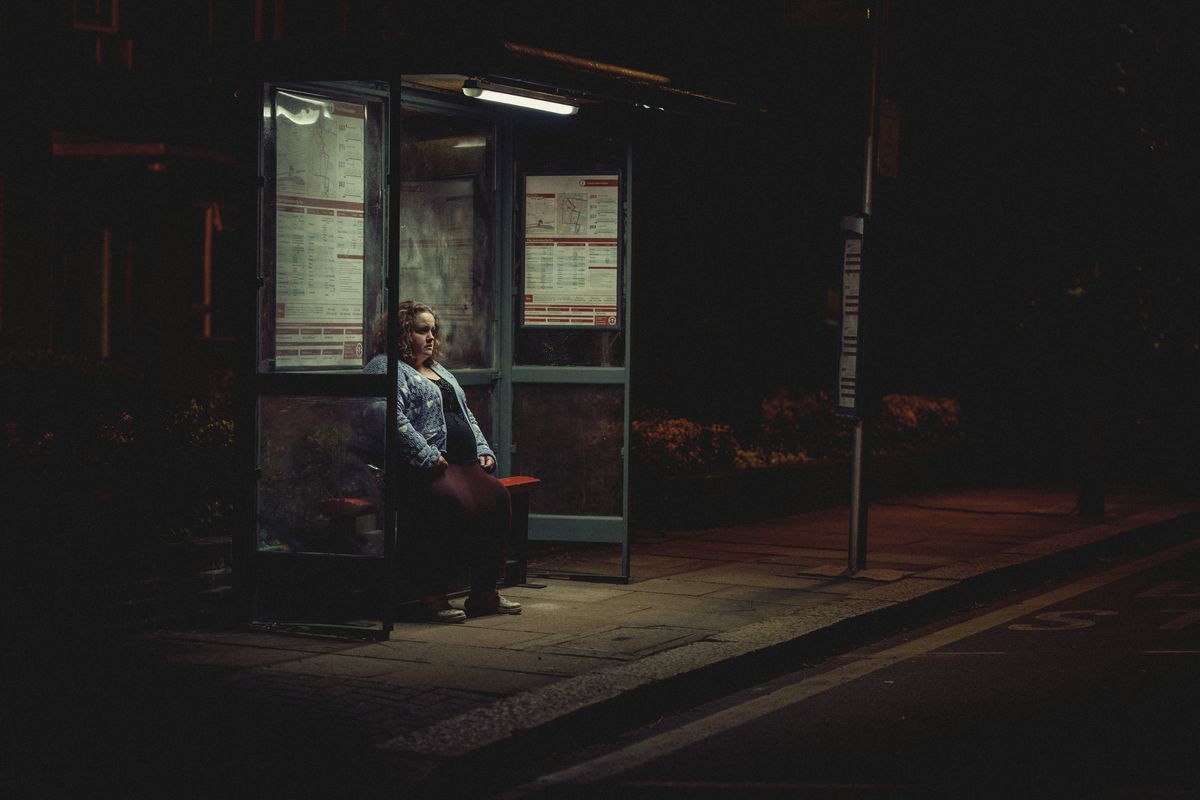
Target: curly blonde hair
{"x": 409, "y": 309}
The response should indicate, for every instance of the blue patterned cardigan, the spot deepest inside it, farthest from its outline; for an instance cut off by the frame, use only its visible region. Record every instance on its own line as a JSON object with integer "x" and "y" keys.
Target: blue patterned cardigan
{"x": 420, "y": 421}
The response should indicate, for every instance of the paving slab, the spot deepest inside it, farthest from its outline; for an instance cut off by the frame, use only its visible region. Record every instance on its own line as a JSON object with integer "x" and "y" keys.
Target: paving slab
{"x": 676, "y": 585}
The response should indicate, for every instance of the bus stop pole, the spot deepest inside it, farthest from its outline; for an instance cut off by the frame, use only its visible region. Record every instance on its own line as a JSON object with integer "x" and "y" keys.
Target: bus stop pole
{"x": 857, "y": 556}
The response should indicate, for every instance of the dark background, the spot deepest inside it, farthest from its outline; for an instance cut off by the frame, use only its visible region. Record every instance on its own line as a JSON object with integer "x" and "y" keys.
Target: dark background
{"x": 1035, "y": 256}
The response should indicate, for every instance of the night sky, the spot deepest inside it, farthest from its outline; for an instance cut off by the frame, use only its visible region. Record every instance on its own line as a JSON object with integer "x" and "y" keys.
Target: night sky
{"x": 1037, "y": 245}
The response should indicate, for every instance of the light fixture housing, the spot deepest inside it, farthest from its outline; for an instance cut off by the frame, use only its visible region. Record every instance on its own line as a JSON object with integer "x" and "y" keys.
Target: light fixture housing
{"x": 513, "y": 96}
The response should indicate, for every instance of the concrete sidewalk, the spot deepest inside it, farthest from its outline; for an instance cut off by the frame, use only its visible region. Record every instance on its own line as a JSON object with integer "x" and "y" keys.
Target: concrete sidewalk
{"x": 702, "y": 606}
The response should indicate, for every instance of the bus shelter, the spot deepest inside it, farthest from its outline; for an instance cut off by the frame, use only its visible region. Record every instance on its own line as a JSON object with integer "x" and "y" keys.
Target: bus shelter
{"x": 514, "y": 224}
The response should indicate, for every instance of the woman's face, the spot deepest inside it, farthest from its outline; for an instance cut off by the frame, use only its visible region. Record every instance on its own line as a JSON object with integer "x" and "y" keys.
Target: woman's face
{"x": 421, "y": 339}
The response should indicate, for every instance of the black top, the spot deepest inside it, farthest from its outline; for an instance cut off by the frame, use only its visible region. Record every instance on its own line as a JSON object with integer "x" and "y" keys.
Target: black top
{"x": 460, "y": 439}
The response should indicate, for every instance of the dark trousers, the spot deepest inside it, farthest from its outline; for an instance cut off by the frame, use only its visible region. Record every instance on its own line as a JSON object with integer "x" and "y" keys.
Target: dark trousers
{"x": 460, "y": 518}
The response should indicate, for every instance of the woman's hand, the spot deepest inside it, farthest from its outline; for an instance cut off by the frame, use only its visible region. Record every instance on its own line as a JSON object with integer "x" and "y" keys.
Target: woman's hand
{"x": 487, "y": 462}
{"x": 440, "y": 466}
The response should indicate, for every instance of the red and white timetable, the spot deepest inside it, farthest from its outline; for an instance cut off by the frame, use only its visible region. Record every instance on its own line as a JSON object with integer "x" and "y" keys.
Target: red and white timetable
{"x": 319, "y": 230}
{"x": 571, "y": 250}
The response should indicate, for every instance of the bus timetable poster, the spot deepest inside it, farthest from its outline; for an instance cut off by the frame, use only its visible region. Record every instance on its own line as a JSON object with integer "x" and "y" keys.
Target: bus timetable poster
{"x": 571, "y": 249}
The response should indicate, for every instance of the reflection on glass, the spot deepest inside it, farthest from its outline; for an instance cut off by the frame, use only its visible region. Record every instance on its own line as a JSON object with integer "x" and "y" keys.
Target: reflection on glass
{"x": 446, "y": 216}
{"x": 560, "y": 348}
{"x": 574, "y": 433}
{"x": 318, "y": 492}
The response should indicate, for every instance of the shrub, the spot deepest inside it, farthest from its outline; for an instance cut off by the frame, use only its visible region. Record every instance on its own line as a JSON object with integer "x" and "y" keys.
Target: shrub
{"x": 805, "y": 424}
{"x": 758, "y": 458}
{"x": 675, "y": 444}
{"x": 100, "y": 460}
{"x": 917, "y": 422}
{"x": 795, "y": 428}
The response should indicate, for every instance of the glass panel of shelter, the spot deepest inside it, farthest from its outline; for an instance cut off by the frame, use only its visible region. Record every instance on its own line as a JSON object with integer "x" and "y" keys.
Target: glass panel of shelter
{"x": 446, "y": 236}
{"x": 447, "y": 246}
{"x": 320, "y": 525}
{"x": 570, "y": 394}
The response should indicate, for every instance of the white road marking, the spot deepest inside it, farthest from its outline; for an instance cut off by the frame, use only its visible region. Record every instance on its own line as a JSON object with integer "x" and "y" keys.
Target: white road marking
{"x": 1061, "y": 621}
{"x": 655, "y": 747}
{"x": 759, "y": 786}
{"x": 1187, "y": 616}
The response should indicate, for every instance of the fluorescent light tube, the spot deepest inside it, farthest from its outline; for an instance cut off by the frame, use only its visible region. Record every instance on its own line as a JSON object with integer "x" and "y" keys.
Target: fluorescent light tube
{"x": 476, "y": 89}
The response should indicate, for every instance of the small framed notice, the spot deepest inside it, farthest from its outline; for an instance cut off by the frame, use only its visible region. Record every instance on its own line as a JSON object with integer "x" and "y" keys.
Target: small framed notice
{"x": 572, "y": 251}
{"x": 849, "y": 356}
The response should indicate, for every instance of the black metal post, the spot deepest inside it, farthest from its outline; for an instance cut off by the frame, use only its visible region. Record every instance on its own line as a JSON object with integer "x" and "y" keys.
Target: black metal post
{"x": 857, "y": 556}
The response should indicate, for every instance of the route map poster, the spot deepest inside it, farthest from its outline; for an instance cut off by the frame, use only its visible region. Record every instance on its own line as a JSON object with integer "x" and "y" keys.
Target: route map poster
{"x": 571, "y": 251}
{"x": 319, "y": 205}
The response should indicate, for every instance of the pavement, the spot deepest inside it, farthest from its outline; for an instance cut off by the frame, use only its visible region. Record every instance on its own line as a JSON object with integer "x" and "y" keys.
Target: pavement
{"x": 196, "y": 712}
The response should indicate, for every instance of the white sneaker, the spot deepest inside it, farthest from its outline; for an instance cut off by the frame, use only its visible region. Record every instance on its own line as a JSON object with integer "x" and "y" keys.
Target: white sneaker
{"x": 506, "y": 606}
{"x": 446, "y": 613}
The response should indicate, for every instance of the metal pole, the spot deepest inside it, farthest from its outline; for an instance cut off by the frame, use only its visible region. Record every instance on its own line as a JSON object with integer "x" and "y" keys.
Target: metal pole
{"x": 627, "y": 306}
{"x": 858, "y": 503}
{"x": 872, "y": 112}
{"x": 106, "y": 292}
{"x": 206, "y": 331}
